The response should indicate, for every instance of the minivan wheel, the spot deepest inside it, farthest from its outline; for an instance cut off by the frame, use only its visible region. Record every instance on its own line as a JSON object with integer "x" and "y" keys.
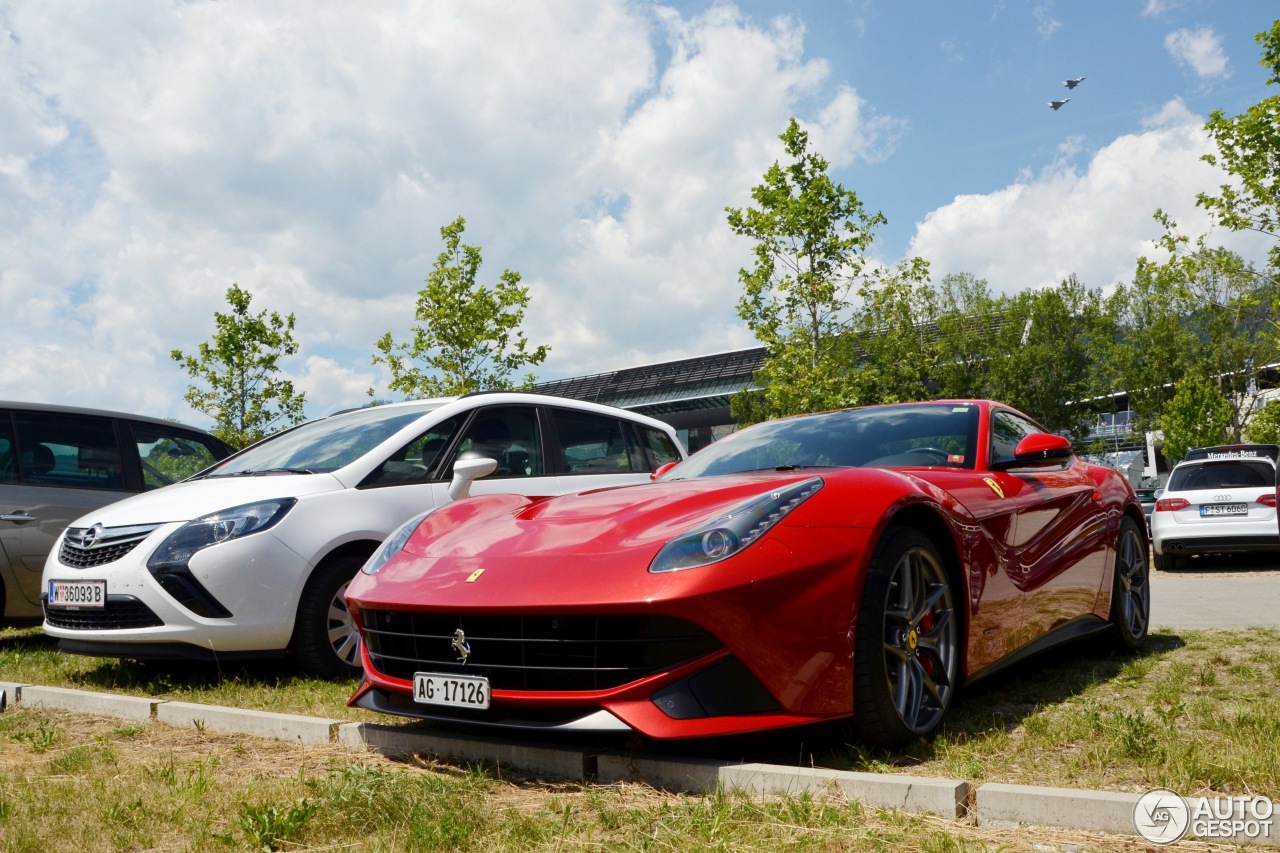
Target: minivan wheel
{"x": 325, "y": 640}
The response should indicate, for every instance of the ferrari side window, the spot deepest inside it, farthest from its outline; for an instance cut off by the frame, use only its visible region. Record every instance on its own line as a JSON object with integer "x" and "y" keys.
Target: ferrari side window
{"x": 1007, "y": 429}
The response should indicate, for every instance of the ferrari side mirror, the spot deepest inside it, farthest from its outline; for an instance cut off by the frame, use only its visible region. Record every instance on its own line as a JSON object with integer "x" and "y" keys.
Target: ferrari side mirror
{"x": 1038, "y": 448}
{"x": 662, "y": 469}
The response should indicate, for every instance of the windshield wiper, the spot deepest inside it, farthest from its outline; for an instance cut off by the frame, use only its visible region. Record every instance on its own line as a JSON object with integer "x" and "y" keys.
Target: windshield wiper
{"x": 262, "y": 473}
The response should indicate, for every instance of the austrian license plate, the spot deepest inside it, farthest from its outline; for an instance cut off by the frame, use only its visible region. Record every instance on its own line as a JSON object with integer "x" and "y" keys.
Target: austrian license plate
{"x": 1223, "y": 509}
{"x": 87, "y": 595}
{"x": 455, "y": 691}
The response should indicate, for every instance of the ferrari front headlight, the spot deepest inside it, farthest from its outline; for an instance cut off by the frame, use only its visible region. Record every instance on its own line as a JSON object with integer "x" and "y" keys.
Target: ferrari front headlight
{"x": 393, "y": 544}
{"x": 726, "y": 535}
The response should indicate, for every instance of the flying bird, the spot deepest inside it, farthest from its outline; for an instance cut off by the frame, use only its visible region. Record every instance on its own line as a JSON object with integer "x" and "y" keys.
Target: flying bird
{"x": 1072, "y": 83}
{"x": 1057, "y": 104}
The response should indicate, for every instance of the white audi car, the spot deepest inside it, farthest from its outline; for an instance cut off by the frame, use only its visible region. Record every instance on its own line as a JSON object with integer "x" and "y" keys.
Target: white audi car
{"x": 1219, "y": 500}
{"x": 252, "y": 556}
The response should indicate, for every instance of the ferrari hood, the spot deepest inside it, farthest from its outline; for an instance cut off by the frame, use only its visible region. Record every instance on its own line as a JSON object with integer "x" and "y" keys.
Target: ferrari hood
{"x": 194, "y": 498}
{"x": 599, "y": 522}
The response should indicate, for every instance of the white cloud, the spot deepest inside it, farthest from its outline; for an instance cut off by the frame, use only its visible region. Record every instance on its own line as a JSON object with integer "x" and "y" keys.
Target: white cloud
{"x": 1157, "y": 8}
{"x": 155, "y": 153}
{"x": 1046, "y": 23}
{"x": 1093, "y": 221}
{"x": 1200, "y": 50}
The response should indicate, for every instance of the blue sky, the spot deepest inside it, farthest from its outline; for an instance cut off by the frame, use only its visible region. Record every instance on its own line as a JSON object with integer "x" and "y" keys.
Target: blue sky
{"x": 158, "y": 151}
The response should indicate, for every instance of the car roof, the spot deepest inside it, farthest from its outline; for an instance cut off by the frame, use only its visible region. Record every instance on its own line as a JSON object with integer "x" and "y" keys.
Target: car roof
{"x": 54, "y": 408}
{"x": 475, "y": 399}
{"x": 1230, "y": 452}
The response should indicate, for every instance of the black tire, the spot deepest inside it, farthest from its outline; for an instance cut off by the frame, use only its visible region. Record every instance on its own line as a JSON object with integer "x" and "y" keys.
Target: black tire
{"x": 1165, "y": 562}
{"x": 325, "y": 641}
{"x": 907, "y": 649}
{"x": 1131, "y": 588}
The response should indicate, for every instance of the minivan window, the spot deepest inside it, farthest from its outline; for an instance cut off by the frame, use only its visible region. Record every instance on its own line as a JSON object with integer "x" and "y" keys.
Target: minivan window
{"x": 508, "y": 434}
{"x": 660, "y": 447}
{"x": 414, "y": 462}
{"x": 592, "y": 444}
{"x": 324, "y": 445}
{"x": 169, "y": 456}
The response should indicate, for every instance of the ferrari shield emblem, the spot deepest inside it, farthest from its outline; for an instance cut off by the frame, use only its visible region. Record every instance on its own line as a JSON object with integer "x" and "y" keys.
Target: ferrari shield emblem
{"x": 995, "y": 487}
{"x": 475, "y": 576}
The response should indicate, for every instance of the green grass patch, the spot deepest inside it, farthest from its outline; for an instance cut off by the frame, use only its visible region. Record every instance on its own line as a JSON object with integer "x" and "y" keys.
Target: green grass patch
{"x": 1194, "y": 712}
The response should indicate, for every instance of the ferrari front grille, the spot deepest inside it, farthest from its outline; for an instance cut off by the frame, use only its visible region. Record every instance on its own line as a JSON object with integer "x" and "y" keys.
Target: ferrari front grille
{"x": 526, "y": 652}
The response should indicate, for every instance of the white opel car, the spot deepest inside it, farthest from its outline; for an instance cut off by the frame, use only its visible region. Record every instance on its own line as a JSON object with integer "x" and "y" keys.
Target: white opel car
{"x": 1219, "y": 500}
{"x": 252, "y": 556}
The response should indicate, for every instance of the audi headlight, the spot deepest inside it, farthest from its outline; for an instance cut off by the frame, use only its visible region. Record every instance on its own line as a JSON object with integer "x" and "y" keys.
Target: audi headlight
{"x": 215, "y": 528}
{"x": 393, "y": 544}
{"x": 730, "y": 533}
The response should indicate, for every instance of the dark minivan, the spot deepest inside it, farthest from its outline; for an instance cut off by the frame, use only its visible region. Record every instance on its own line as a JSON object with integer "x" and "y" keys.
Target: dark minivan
{"x": 59, "y": 462}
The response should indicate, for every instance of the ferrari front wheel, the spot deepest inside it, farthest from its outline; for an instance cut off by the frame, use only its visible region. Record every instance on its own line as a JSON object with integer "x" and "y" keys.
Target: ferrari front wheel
{"x": 907, "y": 650}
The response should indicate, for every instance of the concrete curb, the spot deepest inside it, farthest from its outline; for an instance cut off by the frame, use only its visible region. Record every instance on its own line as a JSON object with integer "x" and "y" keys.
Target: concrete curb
{"x": 286, "y": 727}
{"x": 992, "y": 804}
{"x": 920, "y": 794}
{"x": 999, "y": 804}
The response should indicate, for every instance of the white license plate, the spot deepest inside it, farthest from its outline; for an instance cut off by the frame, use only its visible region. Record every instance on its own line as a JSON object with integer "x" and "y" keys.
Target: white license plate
{"x": 1224, "y": 509}
{"x": 455, "y": 691}
{"x": 87, "y": 595}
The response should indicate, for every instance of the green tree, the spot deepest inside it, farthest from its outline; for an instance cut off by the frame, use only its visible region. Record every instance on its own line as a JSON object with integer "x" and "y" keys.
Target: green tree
{"x": 898, "y": 350}
{"x": 811, "y": 235}
{"x": 968, "y": 321}
{"x": 1264, "y": 427}
{"x": 467, "y": 336}
{"x": 245, "y": 395}
{"x": 1154, "y": 345}
{"x": 1249, "y": 150}
{"x": 1197, "y": 416}
{"x": 1048, "y": 341}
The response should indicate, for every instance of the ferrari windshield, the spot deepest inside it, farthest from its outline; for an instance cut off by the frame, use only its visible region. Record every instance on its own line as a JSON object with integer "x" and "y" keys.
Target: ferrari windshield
{"x": 913, "y": 435}
{"x": 326, "y": 444}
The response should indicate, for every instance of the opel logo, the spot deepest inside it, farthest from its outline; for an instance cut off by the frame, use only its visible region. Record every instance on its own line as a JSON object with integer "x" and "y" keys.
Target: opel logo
{"x": 460, "y": 646}
{"x": 90, "y": 536}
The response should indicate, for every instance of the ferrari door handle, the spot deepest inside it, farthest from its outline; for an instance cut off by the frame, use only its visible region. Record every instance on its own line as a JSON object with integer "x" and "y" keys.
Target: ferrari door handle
{"x": 17, "y": 517}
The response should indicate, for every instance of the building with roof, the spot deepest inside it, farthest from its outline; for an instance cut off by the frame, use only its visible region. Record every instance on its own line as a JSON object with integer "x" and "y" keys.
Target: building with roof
{"x": 691, "y": 394}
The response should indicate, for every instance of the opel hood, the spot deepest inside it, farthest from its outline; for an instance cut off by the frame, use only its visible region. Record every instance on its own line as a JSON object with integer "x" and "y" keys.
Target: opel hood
{"x": 195, "y": 498}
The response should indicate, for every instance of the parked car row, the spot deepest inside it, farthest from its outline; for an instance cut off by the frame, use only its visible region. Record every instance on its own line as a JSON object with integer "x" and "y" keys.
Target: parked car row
{"x": 252, "y": 555}
{"x": 521, "y": 561}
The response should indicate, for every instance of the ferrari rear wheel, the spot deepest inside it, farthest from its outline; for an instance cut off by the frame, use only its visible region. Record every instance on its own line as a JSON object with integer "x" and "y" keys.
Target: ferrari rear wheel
{"x": 1131, "y": 588}
{"x": 907, "y": 653}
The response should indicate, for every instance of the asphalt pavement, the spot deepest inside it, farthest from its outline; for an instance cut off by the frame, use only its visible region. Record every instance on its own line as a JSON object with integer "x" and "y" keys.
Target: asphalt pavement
{"x": 1231, "y": 592}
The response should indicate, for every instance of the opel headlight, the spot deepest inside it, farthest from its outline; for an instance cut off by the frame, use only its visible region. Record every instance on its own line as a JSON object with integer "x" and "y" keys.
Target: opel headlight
{"x": 215, "y": 528}
{"x": 730, "y": 533}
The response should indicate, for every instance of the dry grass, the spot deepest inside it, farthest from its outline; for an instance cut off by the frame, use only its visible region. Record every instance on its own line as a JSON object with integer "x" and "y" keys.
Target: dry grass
{"x": 87, "y": 783}
{"x": 1194, "y": 713}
